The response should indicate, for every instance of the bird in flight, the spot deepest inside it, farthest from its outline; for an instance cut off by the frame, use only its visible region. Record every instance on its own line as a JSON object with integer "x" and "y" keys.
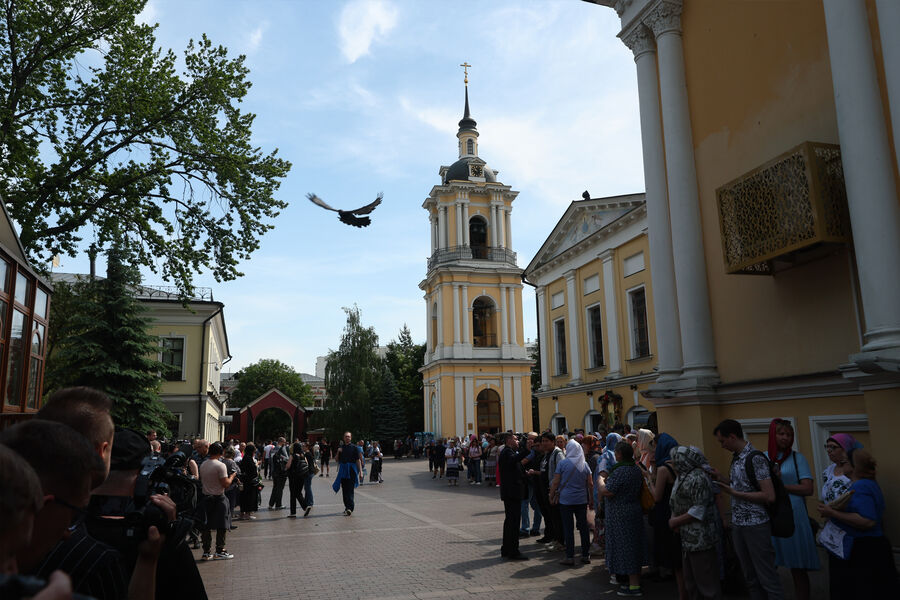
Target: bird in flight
{"x": 350, "y": 217}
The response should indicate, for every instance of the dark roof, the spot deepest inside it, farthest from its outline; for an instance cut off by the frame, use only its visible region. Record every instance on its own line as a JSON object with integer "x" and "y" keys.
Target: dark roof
{"x": 467, "y": 122}
{"x": 460, "y": 170}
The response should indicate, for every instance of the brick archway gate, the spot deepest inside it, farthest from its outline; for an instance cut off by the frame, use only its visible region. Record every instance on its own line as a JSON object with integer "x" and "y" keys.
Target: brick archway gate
{"x": 274, "y": 398}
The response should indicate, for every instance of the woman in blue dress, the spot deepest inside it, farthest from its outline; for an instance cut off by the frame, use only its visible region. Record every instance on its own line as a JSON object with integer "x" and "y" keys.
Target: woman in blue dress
{"x": 797, "y": 552}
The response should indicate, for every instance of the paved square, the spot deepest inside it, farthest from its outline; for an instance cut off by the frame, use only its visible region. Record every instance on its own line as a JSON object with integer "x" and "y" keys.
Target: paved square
{"x": 411, "y": 537}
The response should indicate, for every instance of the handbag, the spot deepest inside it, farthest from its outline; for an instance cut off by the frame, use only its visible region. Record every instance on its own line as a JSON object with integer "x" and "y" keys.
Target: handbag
{"x": 813, "y": 524}
{"x": 647, "y": 501}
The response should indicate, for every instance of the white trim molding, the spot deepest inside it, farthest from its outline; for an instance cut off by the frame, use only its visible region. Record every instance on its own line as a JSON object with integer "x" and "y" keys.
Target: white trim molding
{"x": 821, "y": 427}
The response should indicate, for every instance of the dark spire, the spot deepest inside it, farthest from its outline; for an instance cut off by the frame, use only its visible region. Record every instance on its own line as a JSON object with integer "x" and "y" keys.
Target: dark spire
{"x": 467, "y": 121}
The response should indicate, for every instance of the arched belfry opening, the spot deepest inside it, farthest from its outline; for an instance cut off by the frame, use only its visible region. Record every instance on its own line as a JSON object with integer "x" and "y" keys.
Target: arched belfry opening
{"x": 484, "y": 329}
{"x": 489, "y": 420}
{"x": 478, "y": 241}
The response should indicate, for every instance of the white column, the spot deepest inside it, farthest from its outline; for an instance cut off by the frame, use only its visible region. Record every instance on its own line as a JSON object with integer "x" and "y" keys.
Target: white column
{"x": 465, "y": 208}
{"x": 504, "y": 334}
{"x": 442, "y": 227}
{"x": 513, "y": 327}
{"x": 494, "y": 229}
{"x": 455, "y": 315}
{"x": 507, "y": 403}
{"x": 433, "y": 230}
{"x": 501, "y": 224}
{"x": 439, "y": 429}
{"x": 573, "y": 329}
{"x": 459, "y": 405}
{"x": 466, "y": 314}
{"x": 471, "y": 416}
{"x": 889, "y": 21}
{"x": 687, "y": 235}
{"x": 613, "y": 356}
{"x": 440, "y": 319}
{"x": 506, "y": 229}
{"x": 665, "y": 303}
{"x": 868, "y": 172}
{"x": 429, "y": 342}
{"x": 543, "y": 340}
{"x": 517, "y": 394}
{"x": 459, "y": 226}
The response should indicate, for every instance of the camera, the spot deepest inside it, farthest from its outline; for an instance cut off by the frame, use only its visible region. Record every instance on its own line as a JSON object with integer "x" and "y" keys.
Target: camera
{"x": 158, "y": 476}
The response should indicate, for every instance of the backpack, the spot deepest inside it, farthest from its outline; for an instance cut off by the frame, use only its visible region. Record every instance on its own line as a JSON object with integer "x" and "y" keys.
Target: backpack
{"x": 279, "y": 459}
{"x": 300, "y": 466}
{"x": 781, "y": 514}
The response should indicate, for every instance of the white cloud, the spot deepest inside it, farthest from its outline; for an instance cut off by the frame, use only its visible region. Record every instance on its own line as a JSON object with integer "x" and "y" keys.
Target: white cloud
{"x": 150, "y": 15}
{"x": 255, "y": 38}
{"x": 361, "y": 23}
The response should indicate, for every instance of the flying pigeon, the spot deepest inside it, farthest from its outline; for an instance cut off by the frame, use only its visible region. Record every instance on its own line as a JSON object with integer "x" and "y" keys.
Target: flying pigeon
{"x": 350, "y": 217}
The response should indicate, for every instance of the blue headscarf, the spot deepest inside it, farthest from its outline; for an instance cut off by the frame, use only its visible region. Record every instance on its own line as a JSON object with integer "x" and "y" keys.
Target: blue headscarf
{"x": 609, "y": 451}
{"x": 664, "y": 445}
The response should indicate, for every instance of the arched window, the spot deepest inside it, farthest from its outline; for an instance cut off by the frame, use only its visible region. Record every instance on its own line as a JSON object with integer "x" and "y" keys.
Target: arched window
{"x": 484, "y": 332}
{"x": 478, "y": 237}
{"x": 470, "y": 147}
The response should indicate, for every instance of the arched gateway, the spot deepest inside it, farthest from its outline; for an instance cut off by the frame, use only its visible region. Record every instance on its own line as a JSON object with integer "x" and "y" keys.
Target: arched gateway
{"x": 489, "y": 420}
{"x": 271, "y": 399}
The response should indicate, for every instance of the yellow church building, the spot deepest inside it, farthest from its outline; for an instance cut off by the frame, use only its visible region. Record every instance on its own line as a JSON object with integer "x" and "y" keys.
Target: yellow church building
{"x": 770, "y": 146}
{"x": 477, "y": 374}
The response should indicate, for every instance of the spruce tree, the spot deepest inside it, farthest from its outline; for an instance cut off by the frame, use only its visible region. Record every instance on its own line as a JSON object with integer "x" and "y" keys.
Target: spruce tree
{"x": 404, "y": 358}
{"x": 388, "y": 415}
{"x": 108, "y": 347}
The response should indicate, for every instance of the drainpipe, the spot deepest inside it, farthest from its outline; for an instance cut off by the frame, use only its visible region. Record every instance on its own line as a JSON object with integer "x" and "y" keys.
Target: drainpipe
{"x": 537, "y": 323}
{"x": 203, "y": 398}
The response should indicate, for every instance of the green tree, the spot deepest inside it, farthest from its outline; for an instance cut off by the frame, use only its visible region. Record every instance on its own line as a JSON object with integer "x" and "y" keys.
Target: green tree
{"x": 388, "y": 416}
{"x": 255, "y": 380}
{"x": 404, "y": 358}
{"x": 104, "y": 343}
{"x": 100, "y": 132}
{"x": 352, "y": 380}
{"x": 535, "y": 355}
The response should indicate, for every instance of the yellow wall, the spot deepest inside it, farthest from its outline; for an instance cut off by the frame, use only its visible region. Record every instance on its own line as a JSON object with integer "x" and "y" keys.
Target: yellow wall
{"x": 575, "y": 405}
{"x": 759, "y": 83}
{"x": 193, "y": 346}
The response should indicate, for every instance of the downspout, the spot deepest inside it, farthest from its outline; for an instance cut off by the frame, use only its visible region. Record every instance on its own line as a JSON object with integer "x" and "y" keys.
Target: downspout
{"x": 201, "y": 422}
{"x": 540, "y": 344}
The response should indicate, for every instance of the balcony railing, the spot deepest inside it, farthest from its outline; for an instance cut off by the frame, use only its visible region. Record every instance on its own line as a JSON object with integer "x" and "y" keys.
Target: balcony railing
{"x": 785, "y": 212}
{"x": 170, "y": 292}
{"x": 457, "y": 253}
{"x": 488, "y": 340}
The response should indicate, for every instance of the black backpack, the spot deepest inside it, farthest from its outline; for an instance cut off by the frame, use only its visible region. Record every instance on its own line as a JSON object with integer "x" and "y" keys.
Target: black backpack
{"x": 781, "y": 514}
{"x": 299, "y": 466}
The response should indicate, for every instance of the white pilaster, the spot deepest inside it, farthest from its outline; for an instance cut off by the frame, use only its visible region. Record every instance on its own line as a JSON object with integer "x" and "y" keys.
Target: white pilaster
{"x": 429, "y": 342}
{"x": 613, "y": 354}
{"x": 506, "y": 228}
{"x": 471, "y": 415}
{"x": 459, "y": 223}
{"x": 665, "y": 303}
{"x": 573, "y": 332}
{"x": 507, "y": 403}
{"x": 459, "y": 404}
{"x": 517, "y": 394}
{"x": 440, "y": 322}
{"x": 466, "y": 319}
{"x": 438, "y": 430}
{"x": 465, "y": 230}
{"x": 504, "y": 332}
{"x": 543, "y": 340}
{"x": 889, "y": 21}
{"x": 698, "y": 351}
{"x": 431, "y": 222}
{"x": 495, "y": 229}
{"x": 868, "y": 173}
{"x": 442, "y": 226}
{"x": 513, "y": 316}
{"x": 456, "y": 341}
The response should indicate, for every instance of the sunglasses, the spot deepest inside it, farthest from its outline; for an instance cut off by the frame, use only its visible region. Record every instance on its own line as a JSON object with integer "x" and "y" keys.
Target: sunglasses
{"x": 79, "y": 515}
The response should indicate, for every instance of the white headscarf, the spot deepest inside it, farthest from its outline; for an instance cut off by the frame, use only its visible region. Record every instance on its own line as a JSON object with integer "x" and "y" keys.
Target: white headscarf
{"x": 575, "y": 455}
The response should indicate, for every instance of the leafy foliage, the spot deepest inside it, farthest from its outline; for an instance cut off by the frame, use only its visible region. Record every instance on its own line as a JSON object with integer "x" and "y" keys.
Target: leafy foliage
{"x": 535, "y": 355}
{"x": 255, "y": 380}
{"x": 387, "y": 413}
{"x": 352, "y": 380}
{"x": 99, "y": 338}
{"x": 404, "y": 358}
{"x": 99, "y": 131}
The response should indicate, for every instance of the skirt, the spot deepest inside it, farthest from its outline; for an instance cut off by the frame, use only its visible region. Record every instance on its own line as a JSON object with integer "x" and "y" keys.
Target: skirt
{"x": 452, "y": 470}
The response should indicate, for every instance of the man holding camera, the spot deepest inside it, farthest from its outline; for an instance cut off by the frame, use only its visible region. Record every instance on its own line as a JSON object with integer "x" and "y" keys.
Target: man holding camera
{"x": 215, "y": 480}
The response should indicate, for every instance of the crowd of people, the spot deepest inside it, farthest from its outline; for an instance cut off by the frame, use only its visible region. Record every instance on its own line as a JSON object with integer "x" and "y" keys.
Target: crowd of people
{"x": 644, "y": 502}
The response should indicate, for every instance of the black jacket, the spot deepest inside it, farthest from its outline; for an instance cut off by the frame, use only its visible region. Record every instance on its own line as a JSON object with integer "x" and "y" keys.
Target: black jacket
{"x": 512, "y": 478}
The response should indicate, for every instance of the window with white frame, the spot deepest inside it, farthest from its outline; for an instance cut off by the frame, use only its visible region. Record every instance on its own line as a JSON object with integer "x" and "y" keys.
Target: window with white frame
{"x": 559, "y": 331}
{"x": 558, "y": 299}
{"x": 172, "y": 355}
{"x": 595, "y": 336}
{"x": 633, "y": 264}
{"x": 591, "y": 284}
{"x": 637, "y": 320}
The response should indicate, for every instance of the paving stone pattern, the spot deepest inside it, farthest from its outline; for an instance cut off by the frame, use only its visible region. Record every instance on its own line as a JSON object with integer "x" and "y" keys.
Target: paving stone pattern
{"x": 411, "y": 537}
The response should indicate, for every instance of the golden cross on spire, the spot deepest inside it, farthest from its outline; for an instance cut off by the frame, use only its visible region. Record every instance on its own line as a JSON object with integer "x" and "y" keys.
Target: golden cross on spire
{"x": 466, "y": 66}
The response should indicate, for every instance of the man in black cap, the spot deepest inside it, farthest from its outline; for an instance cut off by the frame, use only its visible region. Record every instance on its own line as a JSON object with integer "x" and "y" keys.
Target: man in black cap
{"x": 512, "y": 492}
{"x": 176, "y": 571}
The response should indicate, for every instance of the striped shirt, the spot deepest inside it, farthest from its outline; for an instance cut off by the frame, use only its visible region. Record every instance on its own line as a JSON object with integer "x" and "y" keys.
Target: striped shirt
{"x": 96, "y": 569}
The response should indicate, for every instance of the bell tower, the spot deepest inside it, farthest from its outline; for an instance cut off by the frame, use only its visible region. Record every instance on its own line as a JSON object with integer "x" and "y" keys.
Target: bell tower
{"x": 477, "y": 374}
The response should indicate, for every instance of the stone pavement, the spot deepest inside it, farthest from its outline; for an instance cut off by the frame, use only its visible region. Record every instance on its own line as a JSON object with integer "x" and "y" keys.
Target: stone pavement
{"x": 410, "y": 538}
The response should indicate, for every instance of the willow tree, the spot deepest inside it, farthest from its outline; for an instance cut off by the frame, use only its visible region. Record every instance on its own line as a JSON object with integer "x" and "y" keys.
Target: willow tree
{"x": 352, "y": 380}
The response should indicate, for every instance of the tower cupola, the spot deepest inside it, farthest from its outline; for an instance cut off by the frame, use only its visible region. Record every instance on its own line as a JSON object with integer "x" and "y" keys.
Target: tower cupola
{"x": 467, "y": 134}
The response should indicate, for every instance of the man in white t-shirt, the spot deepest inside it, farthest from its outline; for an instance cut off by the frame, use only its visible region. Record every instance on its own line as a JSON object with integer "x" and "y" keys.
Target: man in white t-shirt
{"x": 215, "y": 480}
{"x": 267, "y": 459}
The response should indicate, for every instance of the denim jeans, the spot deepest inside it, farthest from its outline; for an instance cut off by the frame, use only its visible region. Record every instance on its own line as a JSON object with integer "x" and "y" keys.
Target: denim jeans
{"x": 579, "y": 511}
{"x": 307, "y": 488}
{"x": 526, "y": 519}
{"x": 476, "y": 470}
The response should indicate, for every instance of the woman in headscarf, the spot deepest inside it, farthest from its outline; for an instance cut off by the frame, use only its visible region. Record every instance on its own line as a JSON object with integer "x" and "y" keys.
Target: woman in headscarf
{"x": 694, "y": 516}
{"x": 836, "y": 476}
{"x": 798, "y": 552}
{"x": 860, "y": 561}
{"x": 604, "y": 466}
{"x": 626, "y": 544}
{"x": 574, "y": 484}
{"x": 647, "y": 447}
{"x": 666, "y": 543}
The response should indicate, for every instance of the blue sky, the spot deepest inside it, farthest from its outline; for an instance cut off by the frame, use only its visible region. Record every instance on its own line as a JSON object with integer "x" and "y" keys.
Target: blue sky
{"x": 364, "y": 96}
